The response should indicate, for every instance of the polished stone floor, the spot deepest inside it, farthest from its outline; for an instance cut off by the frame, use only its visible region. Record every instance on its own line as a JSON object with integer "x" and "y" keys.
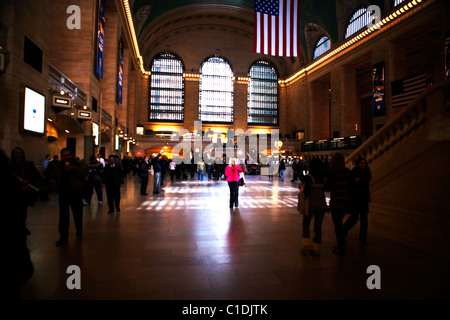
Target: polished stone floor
{"x": 186, "y": 244}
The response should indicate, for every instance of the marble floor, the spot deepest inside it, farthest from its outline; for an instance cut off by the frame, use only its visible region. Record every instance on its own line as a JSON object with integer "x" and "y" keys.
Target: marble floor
{"x": 186, "y": 244}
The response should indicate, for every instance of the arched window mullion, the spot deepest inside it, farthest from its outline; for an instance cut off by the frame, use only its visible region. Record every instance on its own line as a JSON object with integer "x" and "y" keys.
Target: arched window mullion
{"x": 322, "y": 46}
{"x": 397, "y": 2}
{"x": 262, "y": 105}
{"x": 357, "y": 22}
{"x": 166, "y": 99}
{"x": 216, "y": 91}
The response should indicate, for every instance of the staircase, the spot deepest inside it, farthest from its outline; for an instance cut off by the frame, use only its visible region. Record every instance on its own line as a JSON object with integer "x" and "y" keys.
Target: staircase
{"x": 409, "y": 158}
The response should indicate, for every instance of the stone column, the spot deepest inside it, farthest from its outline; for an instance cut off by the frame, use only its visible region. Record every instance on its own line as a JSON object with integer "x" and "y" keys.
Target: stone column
{"x": 240, "y": 104}
{"x": 191, "y": 102}
{"x": 345, "y": 111}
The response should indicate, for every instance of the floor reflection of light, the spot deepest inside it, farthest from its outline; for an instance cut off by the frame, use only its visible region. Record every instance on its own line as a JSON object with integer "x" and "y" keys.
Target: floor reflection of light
{"x": 194, "y": 195}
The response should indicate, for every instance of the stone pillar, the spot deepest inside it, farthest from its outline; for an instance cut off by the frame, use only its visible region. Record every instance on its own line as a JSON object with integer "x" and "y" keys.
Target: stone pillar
{"x": 191, "y": 102}
{"x": 142, "y": 103}
{"x": 124, "y": 107}
{"x": 319, "y": 110}
{"x": 345, "y": 111}
{"x": 131, "y": 102}
{"x": 240, "y": 105}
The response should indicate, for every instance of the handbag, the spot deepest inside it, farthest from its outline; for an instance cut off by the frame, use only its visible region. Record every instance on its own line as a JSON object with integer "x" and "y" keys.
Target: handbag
{"x": 241, "y": 179}
{"x": 303, "y": 202}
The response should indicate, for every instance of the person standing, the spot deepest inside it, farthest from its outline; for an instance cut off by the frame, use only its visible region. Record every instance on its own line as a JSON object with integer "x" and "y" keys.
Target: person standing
{"x": 270, "y": 169}
{"x": 45, "y": 163}
{"x": 70, "y": 176}
{"x": 296, "y": 168}
{"x": 172, "y": 169}
{"x": 200, "y": 169}
{"x": 232, "y": 174}
{"x": 113, "y": 180}
{"x": 313, "y": 190}
{"x": 360, "y": 178}
{"x": 338, "y": 183}
{"x": 209, "y": 171}
{"x": 101, "y": 160}
{"x": 143, "y": 175}
{"x": 282, "y": 169}
{"x": 156, "y": 172}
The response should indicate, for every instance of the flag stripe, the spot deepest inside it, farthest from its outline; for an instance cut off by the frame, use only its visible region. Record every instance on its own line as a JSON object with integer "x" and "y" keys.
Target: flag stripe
{"x": 277, "y": 34}
{"x": 412, "y": 87}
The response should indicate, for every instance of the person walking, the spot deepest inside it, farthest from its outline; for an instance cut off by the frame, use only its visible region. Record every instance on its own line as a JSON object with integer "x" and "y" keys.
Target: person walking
{"x": 156, "y": 172}
{"x": 338, "y": 183}
{"x": 282, "y": 169}
{"x": 113, "y": 180}
{"x": 70, "y": 176}
{"x": 143, "y": 175}
{"x": 313, "y": 190}
{"x": 360, "y": 192}
{"x": 232, "y": 174}
{"x": 94, "y": 181}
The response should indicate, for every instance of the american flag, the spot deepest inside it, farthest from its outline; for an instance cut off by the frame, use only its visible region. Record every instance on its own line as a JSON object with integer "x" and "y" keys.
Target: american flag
{"x": 404, "y": 91}
{"x": 277, "y": 27}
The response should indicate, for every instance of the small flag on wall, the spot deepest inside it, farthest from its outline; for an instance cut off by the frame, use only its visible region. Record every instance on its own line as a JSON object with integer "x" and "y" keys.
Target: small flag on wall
{"x": 406, "y": 90}
{"x": 277, "y": 27}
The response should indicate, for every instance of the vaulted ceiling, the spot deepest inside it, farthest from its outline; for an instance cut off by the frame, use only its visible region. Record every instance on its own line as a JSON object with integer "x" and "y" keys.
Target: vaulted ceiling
{"x": 228, "y": 25}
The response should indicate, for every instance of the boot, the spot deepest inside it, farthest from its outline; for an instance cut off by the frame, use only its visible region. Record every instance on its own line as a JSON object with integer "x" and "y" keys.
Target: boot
{"x": 307, "y": 245}
{"x": 316, "y": 249}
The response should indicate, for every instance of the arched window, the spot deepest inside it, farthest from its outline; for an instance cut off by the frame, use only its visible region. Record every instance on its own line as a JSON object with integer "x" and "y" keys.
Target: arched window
{"x": 166, "y": 100}
{"x": 322, "y": 45}
{"x": 397, "y": 2}
{"x": 262, "y": 105}
{"x": 216, "y": 91}
{"x": 359, "y": 20}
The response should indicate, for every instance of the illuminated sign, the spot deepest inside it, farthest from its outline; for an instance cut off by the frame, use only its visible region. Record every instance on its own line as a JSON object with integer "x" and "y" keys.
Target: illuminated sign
{"x": 95, "y": 132}
{"x": 100, "y": 37}
{"x": 34, "y": 111}
{"x": 120, "y": 73}
{"x": 62, "y": 102}
{"x": 82, "y": 114}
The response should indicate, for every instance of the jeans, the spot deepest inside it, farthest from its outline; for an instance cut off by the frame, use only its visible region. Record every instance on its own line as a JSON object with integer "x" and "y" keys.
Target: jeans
{"x": 156, "y": 181}
{"x": 318, "y": 218}
{"x": 282, "y": 175}
{"x": 200, "y": 175}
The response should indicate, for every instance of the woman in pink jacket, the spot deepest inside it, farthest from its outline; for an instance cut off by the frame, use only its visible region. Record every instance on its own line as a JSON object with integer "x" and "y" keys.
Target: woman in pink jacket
{"x": 232, "y": 173}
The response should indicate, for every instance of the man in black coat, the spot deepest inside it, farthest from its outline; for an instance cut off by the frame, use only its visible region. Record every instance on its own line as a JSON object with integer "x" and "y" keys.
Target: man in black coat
{"x": 70, "y": 176}
{"x": 113, "y": 180}
{"x": 144, "y": 168}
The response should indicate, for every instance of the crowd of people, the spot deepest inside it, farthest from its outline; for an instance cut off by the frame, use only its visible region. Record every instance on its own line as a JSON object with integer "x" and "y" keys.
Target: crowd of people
{"x": 349, "y": 196}
{"x": 76, "y": 181}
